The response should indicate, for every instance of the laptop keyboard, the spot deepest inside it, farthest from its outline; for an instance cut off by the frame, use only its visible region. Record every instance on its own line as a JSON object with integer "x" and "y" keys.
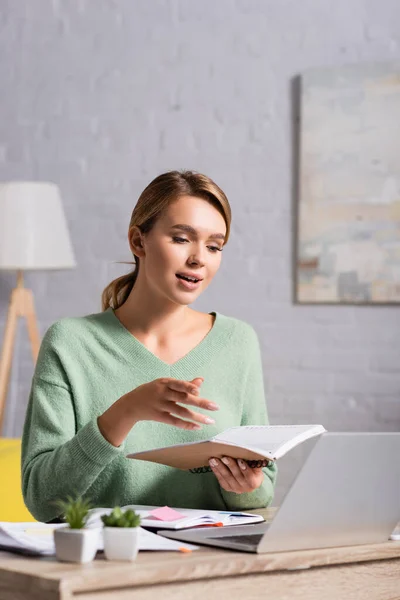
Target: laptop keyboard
{"x": 252, "y": 539}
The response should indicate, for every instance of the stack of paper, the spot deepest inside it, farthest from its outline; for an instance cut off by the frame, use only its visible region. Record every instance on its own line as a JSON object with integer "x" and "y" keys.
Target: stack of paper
{"x": 36, "y": 539}
{"x": 28, "y": 538}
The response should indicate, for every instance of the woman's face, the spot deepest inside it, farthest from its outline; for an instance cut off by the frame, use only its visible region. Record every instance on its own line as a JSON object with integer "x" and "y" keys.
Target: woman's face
{"x": 185, "y": 243}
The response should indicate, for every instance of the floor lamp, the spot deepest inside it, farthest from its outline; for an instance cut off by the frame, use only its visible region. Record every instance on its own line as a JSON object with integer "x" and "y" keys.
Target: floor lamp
{"x": 33, "y": 236}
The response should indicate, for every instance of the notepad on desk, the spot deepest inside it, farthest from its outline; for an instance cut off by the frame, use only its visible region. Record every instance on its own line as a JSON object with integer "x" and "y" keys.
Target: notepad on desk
{"x": 164, "y": 517}
{"x": 249, "y": 442}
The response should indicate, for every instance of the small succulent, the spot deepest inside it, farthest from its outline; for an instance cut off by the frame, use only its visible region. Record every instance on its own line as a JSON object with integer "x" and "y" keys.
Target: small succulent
{"x": 118, "y": 518}
{"x": 75, "y": 511}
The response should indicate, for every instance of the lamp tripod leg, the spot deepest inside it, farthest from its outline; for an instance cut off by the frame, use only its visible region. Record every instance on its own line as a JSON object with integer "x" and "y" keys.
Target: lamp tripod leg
{"x": 7, "y": 353}
{"x": 32, "y": 325}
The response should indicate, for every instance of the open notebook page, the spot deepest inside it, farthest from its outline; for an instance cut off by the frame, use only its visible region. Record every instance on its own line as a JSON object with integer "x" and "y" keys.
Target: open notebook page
{"x": 273, "y": 439}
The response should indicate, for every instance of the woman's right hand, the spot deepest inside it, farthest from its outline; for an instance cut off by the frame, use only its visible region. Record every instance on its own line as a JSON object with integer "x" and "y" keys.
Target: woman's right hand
{"x": 161, "y": 400}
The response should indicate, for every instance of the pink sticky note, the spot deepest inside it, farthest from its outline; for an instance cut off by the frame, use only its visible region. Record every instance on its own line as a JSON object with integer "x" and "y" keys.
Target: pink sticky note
{"x": 165, "y": 513}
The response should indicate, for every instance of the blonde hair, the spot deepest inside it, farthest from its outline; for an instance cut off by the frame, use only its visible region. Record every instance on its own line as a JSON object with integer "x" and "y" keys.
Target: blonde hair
{"x": 154, "y": 199}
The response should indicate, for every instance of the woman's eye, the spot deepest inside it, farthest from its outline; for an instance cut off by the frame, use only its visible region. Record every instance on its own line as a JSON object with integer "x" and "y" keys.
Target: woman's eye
{"x": 181, "y": 240}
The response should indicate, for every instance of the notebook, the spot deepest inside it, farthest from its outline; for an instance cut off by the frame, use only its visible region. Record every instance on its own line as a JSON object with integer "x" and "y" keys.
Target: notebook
{"x": 164, "y": 517}
{"x": 250, "y": 443}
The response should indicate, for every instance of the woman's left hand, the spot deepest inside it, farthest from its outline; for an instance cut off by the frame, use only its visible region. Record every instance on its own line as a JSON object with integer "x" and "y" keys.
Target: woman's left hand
{"x": 235, "y": 475}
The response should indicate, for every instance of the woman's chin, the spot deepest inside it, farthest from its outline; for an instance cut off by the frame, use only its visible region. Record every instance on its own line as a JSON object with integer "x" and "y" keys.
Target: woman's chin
{"x": 183, "y": 298}
{"x": 186, "y": 299}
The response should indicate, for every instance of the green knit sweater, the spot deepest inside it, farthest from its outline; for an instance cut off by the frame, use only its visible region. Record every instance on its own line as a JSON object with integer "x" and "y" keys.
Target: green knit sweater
{"x": 85, "y": 364}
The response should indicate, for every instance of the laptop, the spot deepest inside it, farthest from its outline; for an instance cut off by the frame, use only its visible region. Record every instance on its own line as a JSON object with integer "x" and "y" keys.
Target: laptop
{"x": 347, "y": 493}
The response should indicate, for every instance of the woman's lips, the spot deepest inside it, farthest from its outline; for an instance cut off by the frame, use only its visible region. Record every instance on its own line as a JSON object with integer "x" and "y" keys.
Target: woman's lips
{"x": 188, "y": 285}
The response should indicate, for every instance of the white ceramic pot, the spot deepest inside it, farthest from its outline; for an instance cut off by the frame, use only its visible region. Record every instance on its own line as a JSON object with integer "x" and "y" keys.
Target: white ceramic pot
{"x": 121, "y": 543}
{"x": 76, "y": 545}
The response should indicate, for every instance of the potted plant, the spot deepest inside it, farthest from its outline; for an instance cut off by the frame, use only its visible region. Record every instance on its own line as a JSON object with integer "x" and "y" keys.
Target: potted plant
{"x": 121, "y": 534}
{"x": 76, "y": 542}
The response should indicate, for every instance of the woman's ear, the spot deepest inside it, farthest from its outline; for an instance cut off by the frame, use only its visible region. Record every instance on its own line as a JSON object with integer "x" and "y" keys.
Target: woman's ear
{"x": 135, "y": 238}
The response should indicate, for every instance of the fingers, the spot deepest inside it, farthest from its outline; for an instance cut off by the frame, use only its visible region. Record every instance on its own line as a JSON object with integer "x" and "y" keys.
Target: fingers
{"x": 191, "y": 400}
{"x": 171, "y": 420}
{"x": 175, "y": 391}
{"x": 185, "y": 413}
{"x": 182, "y": 391}
{"x": 230, "y": 471}
{"x": 236, "y": 476}
{"x": 178, "y": 385}
{"x": 224, "y": 476}
{"x": 252, "y": 475}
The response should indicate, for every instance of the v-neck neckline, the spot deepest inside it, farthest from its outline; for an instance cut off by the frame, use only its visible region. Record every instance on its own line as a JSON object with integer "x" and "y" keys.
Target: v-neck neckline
{"x": 147, "y": 361}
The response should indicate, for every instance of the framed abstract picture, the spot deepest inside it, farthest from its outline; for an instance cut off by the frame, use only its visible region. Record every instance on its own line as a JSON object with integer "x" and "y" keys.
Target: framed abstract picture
{"x": 348, "y": 238}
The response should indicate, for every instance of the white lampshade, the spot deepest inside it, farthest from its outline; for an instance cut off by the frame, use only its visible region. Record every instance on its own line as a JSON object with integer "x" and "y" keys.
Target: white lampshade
{"x": 33, "y": 228}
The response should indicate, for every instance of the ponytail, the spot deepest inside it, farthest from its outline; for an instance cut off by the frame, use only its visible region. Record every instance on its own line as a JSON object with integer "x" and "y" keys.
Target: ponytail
{"x": 116, "y": 293}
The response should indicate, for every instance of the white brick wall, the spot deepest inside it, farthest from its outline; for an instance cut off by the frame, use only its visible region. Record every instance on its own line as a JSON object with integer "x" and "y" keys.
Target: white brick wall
{"x": 102, "y": 96}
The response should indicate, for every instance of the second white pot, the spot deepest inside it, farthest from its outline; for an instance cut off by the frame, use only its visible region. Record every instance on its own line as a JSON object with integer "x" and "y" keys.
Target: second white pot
{"x": 121, "y": 543}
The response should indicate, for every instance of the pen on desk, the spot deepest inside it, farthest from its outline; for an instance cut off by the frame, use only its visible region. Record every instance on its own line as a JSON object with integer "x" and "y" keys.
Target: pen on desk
{"x": 234, "y": 514}
{"x": 231, "y": 512}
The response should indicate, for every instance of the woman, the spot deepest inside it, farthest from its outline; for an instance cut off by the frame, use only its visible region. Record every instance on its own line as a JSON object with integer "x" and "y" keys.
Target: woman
{"x": 148, "y": 371}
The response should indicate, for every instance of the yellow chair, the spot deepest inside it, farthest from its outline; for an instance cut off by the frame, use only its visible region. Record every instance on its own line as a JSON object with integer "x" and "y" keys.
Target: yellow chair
{"x": 12, "y": 506}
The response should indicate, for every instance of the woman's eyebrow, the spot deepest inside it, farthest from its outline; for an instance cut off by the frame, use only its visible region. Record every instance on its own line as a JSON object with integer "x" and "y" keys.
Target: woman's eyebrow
{"x": 192, "y": 231}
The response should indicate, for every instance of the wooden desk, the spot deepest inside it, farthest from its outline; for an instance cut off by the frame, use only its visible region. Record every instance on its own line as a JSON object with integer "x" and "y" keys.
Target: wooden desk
{"x": 359, "y": 572}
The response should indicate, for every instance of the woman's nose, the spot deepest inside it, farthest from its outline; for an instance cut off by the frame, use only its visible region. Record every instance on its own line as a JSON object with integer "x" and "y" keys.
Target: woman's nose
{"x": 197, "y": 257}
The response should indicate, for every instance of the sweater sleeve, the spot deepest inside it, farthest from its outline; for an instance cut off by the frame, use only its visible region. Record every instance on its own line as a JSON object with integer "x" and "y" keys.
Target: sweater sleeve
{"x": 57, "y": 461}
{"x": 254, "y": 413}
